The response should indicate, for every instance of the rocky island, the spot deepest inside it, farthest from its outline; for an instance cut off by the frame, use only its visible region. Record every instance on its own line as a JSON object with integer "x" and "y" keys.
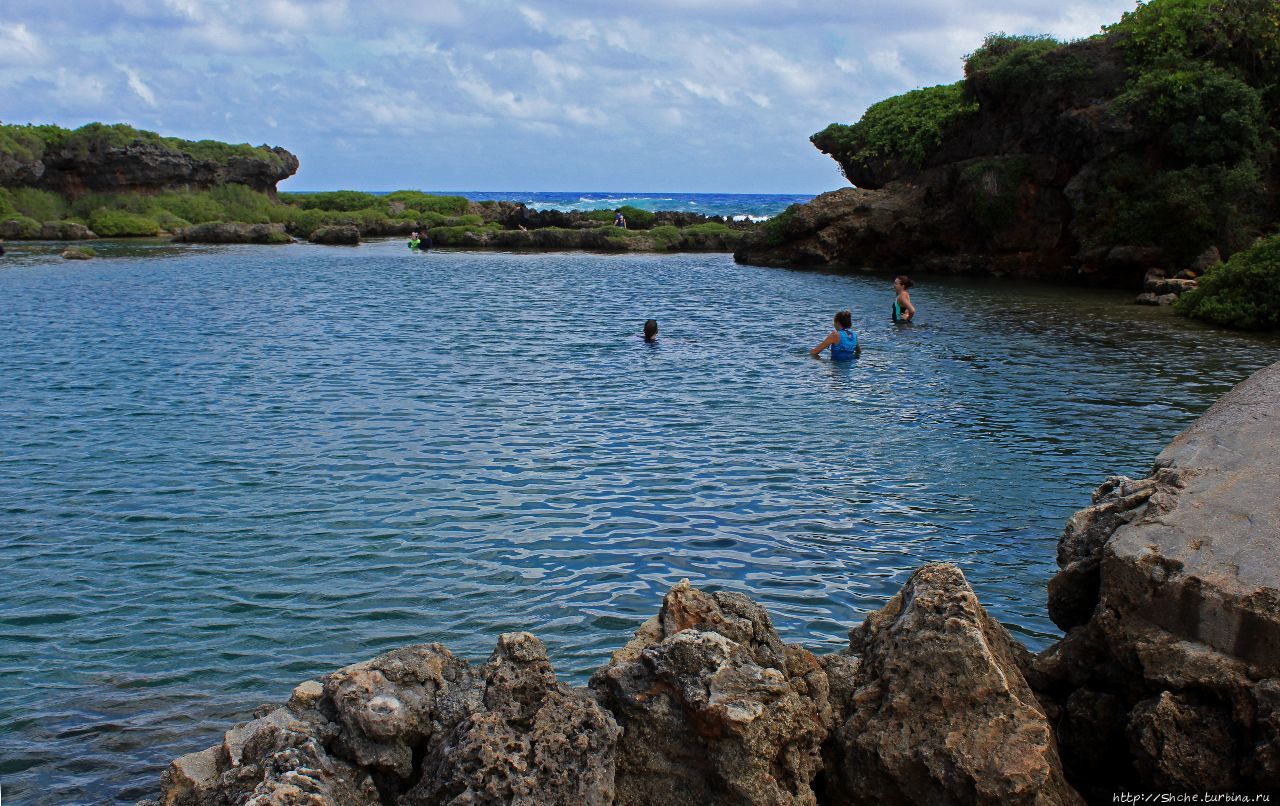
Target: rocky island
{"x": 117, "y": 181}
{"x": 1168, "y": 680}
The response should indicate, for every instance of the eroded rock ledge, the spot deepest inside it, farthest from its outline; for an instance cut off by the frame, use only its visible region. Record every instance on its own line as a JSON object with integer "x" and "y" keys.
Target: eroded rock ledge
{"x": 1168, "y": 680}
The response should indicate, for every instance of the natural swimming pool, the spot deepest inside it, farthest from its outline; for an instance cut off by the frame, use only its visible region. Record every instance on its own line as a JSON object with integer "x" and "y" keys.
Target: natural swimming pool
{"x": 224, "y": 470}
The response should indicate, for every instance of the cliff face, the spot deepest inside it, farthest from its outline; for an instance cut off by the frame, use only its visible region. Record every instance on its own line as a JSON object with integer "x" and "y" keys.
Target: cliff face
{"x": 1168, "y": 681}
{"x": 118, "y": 159}
{"x": 1093, "y": 161}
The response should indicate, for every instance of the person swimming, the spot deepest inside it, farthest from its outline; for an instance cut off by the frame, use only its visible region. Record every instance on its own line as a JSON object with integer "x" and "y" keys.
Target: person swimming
{"x": 903, "y": 310}
{"x": 842, "y": 341}
{"x": 651, "y": 331}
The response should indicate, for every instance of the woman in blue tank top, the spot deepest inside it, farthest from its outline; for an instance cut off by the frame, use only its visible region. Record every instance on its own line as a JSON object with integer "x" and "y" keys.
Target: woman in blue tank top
{"x": 842, "y": 341}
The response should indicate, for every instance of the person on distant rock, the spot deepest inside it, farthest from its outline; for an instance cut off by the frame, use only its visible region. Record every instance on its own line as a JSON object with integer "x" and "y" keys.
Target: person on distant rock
{"x": 619, "y": 220}
{"x": 842, "y": 341}
{"x": 903, "y": 310}
{"x": 651, "y": 331}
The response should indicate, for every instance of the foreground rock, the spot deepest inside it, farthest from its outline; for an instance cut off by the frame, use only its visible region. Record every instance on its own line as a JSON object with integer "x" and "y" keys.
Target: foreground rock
{"x": 714, "y": 707}
{"x": 938, "y": 710}
{"x": 416, "y": 725}
{"x": 1170, "y": 589}
{"x": 229, "y": 232}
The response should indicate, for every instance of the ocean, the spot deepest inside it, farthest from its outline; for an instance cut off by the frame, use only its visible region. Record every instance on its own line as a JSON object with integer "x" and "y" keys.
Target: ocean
{"x": 753, "y": 206}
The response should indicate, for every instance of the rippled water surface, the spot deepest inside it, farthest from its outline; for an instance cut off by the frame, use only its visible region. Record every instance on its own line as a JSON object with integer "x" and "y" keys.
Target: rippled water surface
{"x": 227, "y": 470}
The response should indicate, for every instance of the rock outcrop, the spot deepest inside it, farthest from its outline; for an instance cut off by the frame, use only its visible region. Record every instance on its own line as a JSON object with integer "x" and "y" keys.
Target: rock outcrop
{"x": 1170, "y": 592}
{"x": 336, "y": 236}
{"x": 939, "y": 710}
{"x": 228, "y": 232}
{"x": 715, "y": 709}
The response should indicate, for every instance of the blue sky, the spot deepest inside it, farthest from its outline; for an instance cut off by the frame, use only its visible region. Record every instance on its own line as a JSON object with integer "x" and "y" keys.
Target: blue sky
{"x": 654, "y": 95}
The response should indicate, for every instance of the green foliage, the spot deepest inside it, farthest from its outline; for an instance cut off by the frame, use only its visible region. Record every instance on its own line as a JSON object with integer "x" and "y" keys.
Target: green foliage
{"x": 1023, "y": 66}
{"x": 636, "y": 218}
{"x": 166, "y": 220}
{"x": 665, "y": 236}
{"x": 197, "y": 208}
{"x": 241, "y": 203}
{"x": 990, "y": 189}
{"x": 1182, "y": 211}
{"x": 32, "y": 142}
{"x": 710, "y": 228}
{"x": 6, "y": 204}
{"x": 1164, "y": 30}
{"x": 906, "y": 128}
{"x": 1244, "y": 292}
{"x": 453, "y": 236}
{"x": 88, "y": 250}
{"x": 775, "y": 230}
{"x": 38, "y": 204}
{"x": 338, "y": 200}
{"x": 121, "y": 224}
{"x": 429, "y": 203}
{"x": 27, "y": 227}
{"x": 1199, "y": 114}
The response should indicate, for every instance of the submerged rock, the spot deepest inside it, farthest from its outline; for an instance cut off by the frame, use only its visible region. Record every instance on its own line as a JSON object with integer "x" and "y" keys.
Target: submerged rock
{"x": 76, "y": 253}
{"x": 940, "y": 711}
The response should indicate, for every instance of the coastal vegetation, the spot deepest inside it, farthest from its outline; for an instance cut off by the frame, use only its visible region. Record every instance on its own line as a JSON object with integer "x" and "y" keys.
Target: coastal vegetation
{"x": 1243, "y": 292}
{"x": 119, "y": 182}
{"x": 1152, "y": 145}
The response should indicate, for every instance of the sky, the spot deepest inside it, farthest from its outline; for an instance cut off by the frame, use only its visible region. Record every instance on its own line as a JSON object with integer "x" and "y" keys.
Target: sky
{"x": 571, "y": 95}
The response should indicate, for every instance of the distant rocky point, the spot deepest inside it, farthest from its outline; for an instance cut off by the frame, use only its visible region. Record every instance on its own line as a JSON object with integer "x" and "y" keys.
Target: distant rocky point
{"x": 1168, "y": 680}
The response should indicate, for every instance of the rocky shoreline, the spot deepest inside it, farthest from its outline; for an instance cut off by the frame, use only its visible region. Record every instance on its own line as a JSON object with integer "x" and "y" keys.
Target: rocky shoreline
{"x": 1168, "y": 680}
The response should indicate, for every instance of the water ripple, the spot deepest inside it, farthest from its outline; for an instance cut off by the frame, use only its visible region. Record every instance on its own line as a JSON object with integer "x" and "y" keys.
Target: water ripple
{"x": 226, "y": 469}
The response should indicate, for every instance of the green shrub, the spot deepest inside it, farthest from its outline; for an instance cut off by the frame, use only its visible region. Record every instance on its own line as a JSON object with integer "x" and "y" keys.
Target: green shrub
{"x": 1021, "y": 66}
{"x": 166, "y": 220}
{"x": 637, "y": 218}
{"x": 26, "y": 227}
{"x": 6, "y": 204}
{"x": 338, "y": 200}
{"x": 197, "y": 208}
{"x": 1199, "y": 114}
{"x": 39, "y": 204}
{"x": 22, "y": 143}
{"x": 1244, "y": 292}
{"x": 120, "y": 224}
{"x": 1164, "y": 30}
{"x": 906, "y": 128}
{"x": 467, "y": 221}
{"x": 665, "y": 236}
{"x": 775, "y": 230}
{"x": 242, "y": 203}
{"x": 430, "y": 203}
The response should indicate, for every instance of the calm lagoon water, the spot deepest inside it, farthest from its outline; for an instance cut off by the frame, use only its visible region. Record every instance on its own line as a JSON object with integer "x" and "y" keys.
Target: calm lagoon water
{"x": 224, "y": 470}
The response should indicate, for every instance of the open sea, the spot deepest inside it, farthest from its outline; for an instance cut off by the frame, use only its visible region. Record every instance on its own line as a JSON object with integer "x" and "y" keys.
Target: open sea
{"x": 753, "y": 206}
{"x": 228, "y": 469}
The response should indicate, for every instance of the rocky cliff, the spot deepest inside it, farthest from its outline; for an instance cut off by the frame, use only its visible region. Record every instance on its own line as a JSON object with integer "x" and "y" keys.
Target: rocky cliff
{"x": 117, "y": 159}
{"x": 1168, "y": 680}
{"x": 1148, "y": 146}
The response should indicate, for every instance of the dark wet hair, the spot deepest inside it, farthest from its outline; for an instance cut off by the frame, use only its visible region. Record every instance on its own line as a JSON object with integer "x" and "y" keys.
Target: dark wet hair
{"x": 904, "y": 280}
{"x": 844, "y": 319}
{"x": 650, "y": 328}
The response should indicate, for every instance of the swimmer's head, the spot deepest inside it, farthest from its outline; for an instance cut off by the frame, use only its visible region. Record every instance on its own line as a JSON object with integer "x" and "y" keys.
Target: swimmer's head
{"x": 844, "y": 320}
{"x": 903, "y": 282}
{"x": 650, "y": 329}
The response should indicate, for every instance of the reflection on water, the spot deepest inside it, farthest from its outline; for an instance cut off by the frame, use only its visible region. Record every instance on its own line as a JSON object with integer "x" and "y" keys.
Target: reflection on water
{"x": 228, "y": 469}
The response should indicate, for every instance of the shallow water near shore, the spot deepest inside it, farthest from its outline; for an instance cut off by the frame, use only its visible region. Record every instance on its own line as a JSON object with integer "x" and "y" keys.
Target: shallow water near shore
{"x": 225, "y": 470}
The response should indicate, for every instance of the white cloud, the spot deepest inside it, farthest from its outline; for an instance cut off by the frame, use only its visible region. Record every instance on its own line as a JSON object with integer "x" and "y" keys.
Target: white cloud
{"x": 136, "y": 84}
{"x": 18, "y": 45}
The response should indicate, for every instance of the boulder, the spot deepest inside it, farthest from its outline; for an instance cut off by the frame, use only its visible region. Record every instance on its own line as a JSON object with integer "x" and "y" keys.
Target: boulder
{"x": 230, "y": 232}
{"x": 336, "y": 236}
{"x": 398, "y": 705}
{"x": 65, "y": 231}
{"x": 1147, "y": 298}
{"x": 76, "y": 253}
{"x": 1182, "y": 644}
{"x": 536, "y": 741}
{"x": 940, "y": 711}
{"x": 714, "y": 707}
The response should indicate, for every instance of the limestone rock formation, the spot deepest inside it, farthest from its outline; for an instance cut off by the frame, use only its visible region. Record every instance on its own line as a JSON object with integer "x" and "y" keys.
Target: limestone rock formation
{"x": 146, "y": 167}
{"x": 714, "y": 708}
{"x": 939, "y": 711}
{"x": 336, "y": 236}
{"x": 230, "y": 232}
{"x": 1171, "y": 590}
